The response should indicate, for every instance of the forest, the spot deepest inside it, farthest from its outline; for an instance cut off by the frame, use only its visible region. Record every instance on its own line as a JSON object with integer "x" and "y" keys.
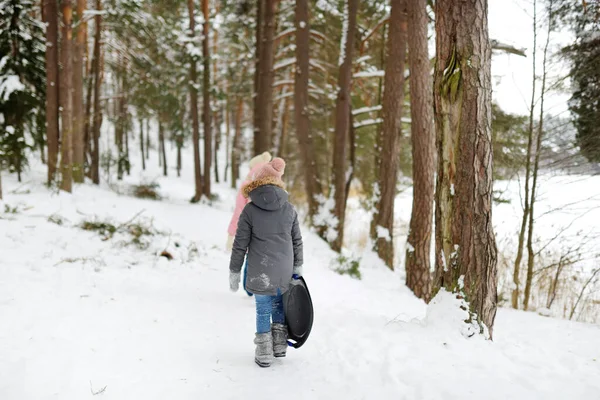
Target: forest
{"x": 402, "y": 150}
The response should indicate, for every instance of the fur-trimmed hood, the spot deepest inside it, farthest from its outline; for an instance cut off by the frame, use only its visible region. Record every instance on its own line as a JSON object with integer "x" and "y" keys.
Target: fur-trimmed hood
{"x": 269, "y": 180}
{"x": 266, "y": 193}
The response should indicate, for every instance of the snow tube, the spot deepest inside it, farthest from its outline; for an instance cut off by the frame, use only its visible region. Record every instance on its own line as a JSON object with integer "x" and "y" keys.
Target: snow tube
{"x": 299, "y": 315}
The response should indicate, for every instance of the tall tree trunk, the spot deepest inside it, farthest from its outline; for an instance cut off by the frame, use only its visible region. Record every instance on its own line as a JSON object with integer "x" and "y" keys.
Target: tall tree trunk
{"x": 283, "y": 138}
{"x": 179, "y": 146}
{"x": 206, "y": 114}
{"x": 263, "y": 138}
{"x": 521, "y": 243}
{"x": 148, "y": 138}
{"x": 235, "y": 148}
{"x": 228, "y": 136}
{"x": 142, "y": 144}
{"x": 217, "y": 146}
{"x": 465, "y": 242}
{"x": 87, "y": 137}
{"x": 0, "y": 182}
{"x": 78, "y": 121}
{"x": 342, "y": 119}
{"x": 126, "y": 135}
{"x": 161, "y": 135}
{"x": 52, "y": 82}
{"x": 312, "y": 184}
{"x": 194, "y": 111}
{"x": 393, "y": 99}
{"x": 97, "y": 123}
{"x": 418, "y": 277}
{"x": 120, "y": 117}
{"x": 159, "y": 148}
{"x": 256, "y": 110}
{"x": 536, "y": 164}
{"x": 352, "y": 147}
{"x": 66, "y": 98}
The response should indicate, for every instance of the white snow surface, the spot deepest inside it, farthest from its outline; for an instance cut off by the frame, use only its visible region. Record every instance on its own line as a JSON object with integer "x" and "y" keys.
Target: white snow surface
{"x": 80, "y": 314}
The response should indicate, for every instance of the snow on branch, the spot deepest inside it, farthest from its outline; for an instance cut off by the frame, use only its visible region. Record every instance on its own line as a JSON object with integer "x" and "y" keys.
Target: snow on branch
{"x": 364, "y": 110}
{"x": 368, "y": 122}
{"x": 283, "y": 82}
{"x": 369, "y": 74}
{"x": 507, "y": 48}
{"x": 284, "y": 63}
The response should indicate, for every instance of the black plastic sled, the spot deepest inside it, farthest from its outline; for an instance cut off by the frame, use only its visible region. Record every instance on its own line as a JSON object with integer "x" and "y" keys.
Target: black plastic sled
{"x": 299, "y": 313}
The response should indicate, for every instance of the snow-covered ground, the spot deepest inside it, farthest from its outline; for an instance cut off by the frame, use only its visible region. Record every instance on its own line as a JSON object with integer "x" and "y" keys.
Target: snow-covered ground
{"x": 81, "y": 315}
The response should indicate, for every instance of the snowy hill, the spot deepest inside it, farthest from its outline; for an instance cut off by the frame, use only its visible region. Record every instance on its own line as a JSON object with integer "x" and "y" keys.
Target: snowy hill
{"x": 85, "y": 313}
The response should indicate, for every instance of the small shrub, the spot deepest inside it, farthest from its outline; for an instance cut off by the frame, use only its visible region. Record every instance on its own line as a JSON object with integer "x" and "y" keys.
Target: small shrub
{"x": 105, "y": 229}
{"x": 137, "y": 231}
{"x": 348, "y": 266}
{"x": 56, "y": 219}
{"x": 11, "y": 210}
{"x": 147, "y": 191}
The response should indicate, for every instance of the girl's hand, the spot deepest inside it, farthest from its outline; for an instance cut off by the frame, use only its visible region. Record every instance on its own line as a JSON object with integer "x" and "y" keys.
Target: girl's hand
{"x": 234, "y": 281}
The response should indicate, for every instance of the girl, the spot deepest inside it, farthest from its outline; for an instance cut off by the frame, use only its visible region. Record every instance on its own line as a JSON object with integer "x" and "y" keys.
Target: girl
{"x": 269, "y": 232}
{"x": 240, "y": 202}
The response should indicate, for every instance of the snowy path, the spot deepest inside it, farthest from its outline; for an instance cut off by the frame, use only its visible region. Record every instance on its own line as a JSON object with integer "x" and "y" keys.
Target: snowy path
{"x": 79, "y": 312}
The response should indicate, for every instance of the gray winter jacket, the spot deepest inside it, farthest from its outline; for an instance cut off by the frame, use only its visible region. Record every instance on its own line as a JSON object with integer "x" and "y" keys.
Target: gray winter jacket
{"x": 268, "y": 230}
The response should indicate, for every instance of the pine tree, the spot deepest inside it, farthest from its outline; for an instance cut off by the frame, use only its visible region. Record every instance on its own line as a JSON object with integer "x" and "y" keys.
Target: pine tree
{"x": 388, "y": 146}
{"x": 418, "y": 276}
{"x": 22, "y": 91}
{"x": 465, "y": 242}
{"x": 342, "y": 120}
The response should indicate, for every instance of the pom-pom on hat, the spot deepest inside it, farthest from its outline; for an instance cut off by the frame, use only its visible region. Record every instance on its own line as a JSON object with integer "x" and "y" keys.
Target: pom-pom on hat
{"x": 273, "y": 169}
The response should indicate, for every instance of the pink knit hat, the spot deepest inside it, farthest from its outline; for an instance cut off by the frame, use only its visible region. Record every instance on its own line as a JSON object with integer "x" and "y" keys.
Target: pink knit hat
{"x": 273, "y": 169}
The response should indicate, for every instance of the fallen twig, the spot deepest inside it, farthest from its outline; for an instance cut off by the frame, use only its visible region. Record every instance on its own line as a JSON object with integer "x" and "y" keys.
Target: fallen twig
{"x": 99, "y": 391}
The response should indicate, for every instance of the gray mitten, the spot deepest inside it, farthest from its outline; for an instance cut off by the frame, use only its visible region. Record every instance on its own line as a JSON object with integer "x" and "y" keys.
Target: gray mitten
{"x": 234, "y": 281}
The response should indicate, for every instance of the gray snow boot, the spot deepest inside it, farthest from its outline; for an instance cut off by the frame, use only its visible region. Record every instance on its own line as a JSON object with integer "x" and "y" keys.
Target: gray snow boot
{"x": 280, "y": 335}
{"x": 264, "y": 349}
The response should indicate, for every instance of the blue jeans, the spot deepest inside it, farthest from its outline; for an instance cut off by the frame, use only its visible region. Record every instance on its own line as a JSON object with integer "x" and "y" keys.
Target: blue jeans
{"x": 267, "y": 308}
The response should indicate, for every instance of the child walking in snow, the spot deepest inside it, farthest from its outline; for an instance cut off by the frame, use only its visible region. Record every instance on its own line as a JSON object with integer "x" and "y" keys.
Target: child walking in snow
{"x": 255, "y": 164}
{"x": 268, "y": 230}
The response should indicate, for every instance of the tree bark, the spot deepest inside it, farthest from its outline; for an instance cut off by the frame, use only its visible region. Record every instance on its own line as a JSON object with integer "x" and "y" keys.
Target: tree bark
{"x": 163, "y": 150}
{"x": 78, "y": 121}
{"x": 256, "y": 109}
{"x": 142, "y": 144}
{"x": 312, "y": 184}
{"x": 283, "y": 138}
{"x": 66, "y": 98}
{"x": 418, "y": 277}
{"x": 235, "y": 148}
{"x": 148, "y": 138}
{"x": 465, "y": 242}
{"x": 342, "y": 119}
{"x": 263, "y": 138}
{"x": 179, "y": 146}
{"x": 194, "y": 111}
{"x": 52, "y": 82}
{"x": 228, "y": 141}
{"x": 87, "y": 136}
{"x": 97, "y": 123}
{"x": 217, "y": 146}
{"x": 206, "y": 114}
{"x": 521, "y": 243}
{"x": 393, "y": 99}
{"x": 120, "y": 117}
